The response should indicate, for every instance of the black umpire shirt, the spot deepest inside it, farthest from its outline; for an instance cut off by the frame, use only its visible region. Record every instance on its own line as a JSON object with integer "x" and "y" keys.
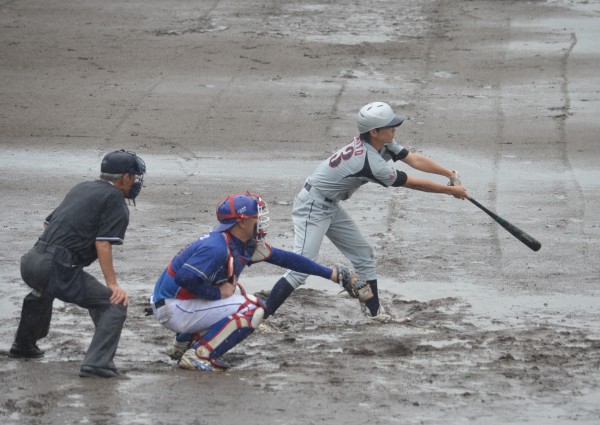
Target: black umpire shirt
{"x": 91, "y": 211}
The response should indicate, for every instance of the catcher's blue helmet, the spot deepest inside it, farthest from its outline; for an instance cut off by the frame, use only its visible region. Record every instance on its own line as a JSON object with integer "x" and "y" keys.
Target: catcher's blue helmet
{"x": 237, "y": 207}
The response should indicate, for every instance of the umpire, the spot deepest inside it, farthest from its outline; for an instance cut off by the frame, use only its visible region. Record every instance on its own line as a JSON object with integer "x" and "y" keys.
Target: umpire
{"x": 92, "y": 217}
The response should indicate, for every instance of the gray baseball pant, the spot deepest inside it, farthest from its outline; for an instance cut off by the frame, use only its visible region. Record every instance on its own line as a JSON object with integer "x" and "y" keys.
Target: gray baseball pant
{"x": 315, "y": 217}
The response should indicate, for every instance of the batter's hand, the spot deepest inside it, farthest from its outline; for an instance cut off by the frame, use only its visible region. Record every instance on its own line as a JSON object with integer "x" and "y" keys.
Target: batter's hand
{"x": 119, "y": 296}
{"x": 454, "y": 179}
{"x": 459, "y": 192}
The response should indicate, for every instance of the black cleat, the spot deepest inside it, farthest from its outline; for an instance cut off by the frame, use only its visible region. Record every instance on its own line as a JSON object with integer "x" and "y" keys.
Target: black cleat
{"x": 98, "y": 372}
{"x": 18, "y": 351}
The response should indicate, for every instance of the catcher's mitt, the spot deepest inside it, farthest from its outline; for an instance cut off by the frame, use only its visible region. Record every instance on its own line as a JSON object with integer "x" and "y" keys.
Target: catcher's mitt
{"x": 352, "y": 283}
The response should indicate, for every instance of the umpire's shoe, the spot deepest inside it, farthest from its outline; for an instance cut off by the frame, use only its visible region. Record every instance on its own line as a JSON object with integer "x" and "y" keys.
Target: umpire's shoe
{"x": 98, "y": 372}
{"x": 25, "y": 351}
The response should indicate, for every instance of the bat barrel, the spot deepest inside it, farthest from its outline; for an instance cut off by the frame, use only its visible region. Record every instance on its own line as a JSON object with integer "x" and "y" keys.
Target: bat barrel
{"x": 525, "y": 238}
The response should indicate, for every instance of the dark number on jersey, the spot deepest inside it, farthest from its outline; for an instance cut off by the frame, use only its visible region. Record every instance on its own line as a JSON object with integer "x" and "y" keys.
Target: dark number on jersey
{"x": 344, "y": 155}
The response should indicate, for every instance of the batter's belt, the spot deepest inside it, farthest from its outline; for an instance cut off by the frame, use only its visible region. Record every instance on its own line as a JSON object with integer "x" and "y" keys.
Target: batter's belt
{"x": 317, "y": 195}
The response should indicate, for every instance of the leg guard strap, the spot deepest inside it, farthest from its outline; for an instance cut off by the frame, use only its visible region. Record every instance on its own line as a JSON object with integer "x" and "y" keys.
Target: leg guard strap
{"x": 227, "y": 333}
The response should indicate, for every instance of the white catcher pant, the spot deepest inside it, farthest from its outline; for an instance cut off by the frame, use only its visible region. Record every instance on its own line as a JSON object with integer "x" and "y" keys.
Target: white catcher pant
{"x": 197, "y": 315}
{"x": 314, "y": 218}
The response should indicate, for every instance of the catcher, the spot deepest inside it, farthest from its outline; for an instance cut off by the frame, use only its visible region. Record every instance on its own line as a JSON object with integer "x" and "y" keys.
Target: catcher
{"x": 198, "y": 295}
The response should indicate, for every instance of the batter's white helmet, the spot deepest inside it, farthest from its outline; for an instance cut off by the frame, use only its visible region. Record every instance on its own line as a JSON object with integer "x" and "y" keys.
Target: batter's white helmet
{"x": 377, "y": 115}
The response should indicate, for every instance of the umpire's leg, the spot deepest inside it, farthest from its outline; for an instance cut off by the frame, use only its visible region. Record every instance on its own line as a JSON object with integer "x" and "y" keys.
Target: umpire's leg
{"x": 108, "y": 319}
{"x": 34, "y": 325}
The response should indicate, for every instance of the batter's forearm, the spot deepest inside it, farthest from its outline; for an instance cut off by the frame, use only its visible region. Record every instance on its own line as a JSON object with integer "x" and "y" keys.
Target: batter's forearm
{"x": 427, "y": 186}
{"x": 422, "y": 163}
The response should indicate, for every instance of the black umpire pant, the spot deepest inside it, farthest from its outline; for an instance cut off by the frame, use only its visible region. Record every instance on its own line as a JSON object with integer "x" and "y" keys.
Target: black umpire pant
{"x": 52, "y": 272}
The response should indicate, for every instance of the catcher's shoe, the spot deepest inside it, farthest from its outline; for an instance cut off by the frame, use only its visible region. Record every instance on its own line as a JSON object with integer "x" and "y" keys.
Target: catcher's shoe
{"x": 267, "y": 329}
{"x": 191, "y": 361}
{"x": 178, "y": 348}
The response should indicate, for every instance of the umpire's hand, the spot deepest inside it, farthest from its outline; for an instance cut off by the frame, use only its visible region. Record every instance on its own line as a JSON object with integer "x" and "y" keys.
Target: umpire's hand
{"x": 119, "y": 296}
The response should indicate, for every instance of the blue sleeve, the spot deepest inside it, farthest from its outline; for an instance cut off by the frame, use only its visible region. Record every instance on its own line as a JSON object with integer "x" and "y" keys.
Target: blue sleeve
{"x": 298, "y": 263}
{"x": 199, "y": 264}
{"x": 195, "y": 284}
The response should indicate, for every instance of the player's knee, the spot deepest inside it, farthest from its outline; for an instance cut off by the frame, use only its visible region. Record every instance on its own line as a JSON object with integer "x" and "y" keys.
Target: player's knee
{"x": 295, "y": 279}
{"x": 257, "y": 317}
{"x": 117, "y": 312}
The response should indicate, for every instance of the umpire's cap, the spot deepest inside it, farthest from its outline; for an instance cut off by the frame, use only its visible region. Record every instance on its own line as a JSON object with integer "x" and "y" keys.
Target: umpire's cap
{"x": 122, "y": 161}
{"x": 377, "y": 115}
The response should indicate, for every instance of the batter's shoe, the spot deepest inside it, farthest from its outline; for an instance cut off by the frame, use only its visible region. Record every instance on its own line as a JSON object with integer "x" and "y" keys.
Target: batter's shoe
{"x": 191, "y": 361}
{"x": 19, "y": 351}
{"x": 383, "y": 316}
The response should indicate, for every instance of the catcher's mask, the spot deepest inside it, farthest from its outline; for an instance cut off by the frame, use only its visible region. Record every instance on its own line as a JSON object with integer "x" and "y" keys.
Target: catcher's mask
{"x": 241, "y": 206}
{"x": 122, "y": 161}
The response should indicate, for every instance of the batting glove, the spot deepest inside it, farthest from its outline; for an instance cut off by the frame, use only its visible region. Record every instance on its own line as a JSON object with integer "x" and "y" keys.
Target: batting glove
{"x": 454, "y": 179}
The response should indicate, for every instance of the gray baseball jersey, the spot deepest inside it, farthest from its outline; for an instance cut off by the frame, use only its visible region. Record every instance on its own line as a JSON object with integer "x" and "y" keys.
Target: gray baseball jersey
{"x": 317, "y": 212}
{"x": 354, "y": 165}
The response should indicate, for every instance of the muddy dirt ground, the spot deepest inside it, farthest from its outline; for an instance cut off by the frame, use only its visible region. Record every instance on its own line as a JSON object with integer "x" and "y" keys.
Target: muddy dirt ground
{"x": 225, "y": 96}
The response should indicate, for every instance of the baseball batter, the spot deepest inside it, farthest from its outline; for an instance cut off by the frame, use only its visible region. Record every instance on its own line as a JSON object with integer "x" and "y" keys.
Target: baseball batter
{"x": 317, "y": 210}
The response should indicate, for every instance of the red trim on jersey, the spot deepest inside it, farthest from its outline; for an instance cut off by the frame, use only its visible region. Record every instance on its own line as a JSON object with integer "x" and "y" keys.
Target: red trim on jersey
{"x": 170, "y": 270}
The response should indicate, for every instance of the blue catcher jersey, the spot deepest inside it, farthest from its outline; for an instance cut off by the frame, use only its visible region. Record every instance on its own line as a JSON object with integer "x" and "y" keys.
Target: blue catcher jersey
{"x": 211, "y": 260}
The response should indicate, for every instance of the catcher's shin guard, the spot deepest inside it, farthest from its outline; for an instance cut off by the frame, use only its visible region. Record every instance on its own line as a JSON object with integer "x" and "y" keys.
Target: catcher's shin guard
{"x": 227, "y": 333}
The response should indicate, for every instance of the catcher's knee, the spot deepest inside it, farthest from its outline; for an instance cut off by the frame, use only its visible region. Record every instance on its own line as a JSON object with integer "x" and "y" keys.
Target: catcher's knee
{"x": 257, "y": 317}
{"x": 227, "y": 333}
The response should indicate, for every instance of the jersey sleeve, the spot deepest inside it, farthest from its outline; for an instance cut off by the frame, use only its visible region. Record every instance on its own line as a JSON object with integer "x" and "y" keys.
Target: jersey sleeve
{"x": 394, "y": 151}
{"x": 199, "y": 269}
{"x": 186, "y": 278}
{"x": 383, "y": 172}
{"x": 47, "y": 220}
{"x": 298, "y": 263}
{"x": 114, "y": 220}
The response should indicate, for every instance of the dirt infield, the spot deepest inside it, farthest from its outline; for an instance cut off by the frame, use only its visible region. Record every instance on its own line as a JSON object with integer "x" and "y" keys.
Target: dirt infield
{"x": 227, "y": 96}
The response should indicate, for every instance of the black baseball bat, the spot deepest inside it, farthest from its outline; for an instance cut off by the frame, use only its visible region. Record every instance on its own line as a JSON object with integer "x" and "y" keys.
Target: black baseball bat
{"x": 511, "y": 228}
